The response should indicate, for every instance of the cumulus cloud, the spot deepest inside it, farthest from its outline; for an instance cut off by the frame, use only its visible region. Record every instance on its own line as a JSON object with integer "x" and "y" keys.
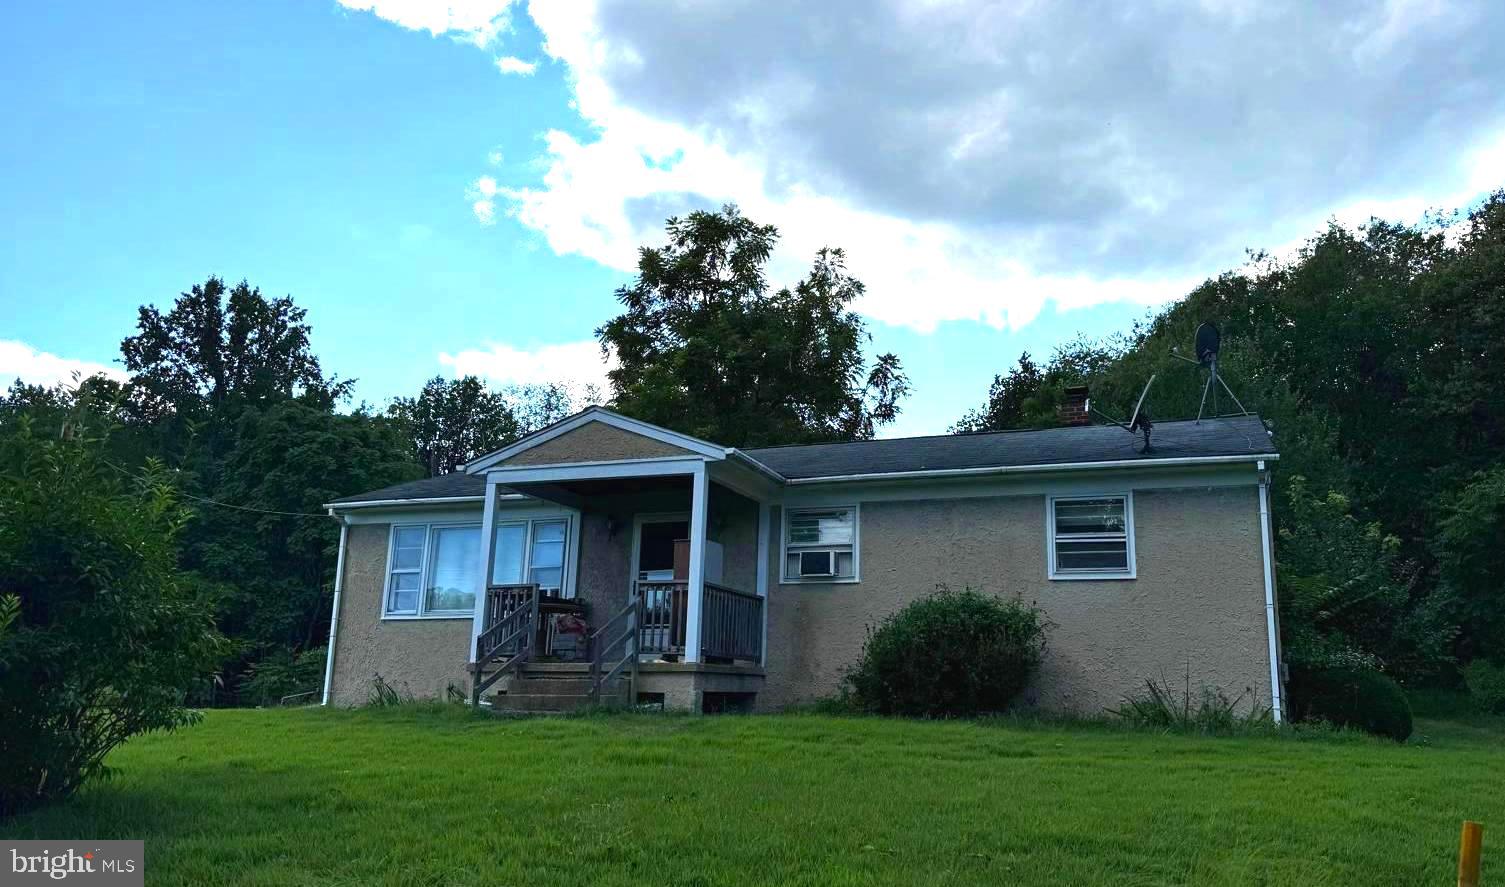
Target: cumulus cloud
{"x": 578, "y": 365}
{"x": 512, "y": 65}
{"x": 977, "y": 160}
{"x": 482, "y": 196}
{"x": 475, "y": 21}
{"x": 19, "y": 360}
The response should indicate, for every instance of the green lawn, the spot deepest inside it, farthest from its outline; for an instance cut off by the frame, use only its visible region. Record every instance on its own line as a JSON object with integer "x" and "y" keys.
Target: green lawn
{"x": 429, "y": 796}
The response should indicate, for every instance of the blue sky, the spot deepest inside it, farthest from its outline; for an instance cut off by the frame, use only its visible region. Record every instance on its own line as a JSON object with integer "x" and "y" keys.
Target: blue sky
{"x": 437, "y": 214}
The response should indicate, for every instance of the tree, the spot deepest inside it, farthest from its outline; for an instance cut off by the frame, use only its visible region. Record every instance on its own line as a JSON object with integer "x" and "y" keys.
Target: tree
{"x": 703, "y": 346}
{"x": 108, "y": 635}
{"x": 1012, "y": 401}
{"x": 218, "y": 347}
{"x": 270, "y": 558}
{"x": 451, "y": 422}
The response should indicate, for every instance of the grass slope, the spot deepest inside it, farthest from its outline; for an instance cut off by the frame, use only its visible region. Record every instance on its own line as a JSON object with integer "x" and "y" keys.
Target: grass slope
{"x": 433, "y": 796}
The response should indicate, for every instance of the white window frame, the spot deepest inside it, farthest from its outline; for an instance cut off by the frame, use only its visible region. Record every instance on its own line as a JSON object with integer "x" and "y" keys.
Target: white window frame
{"x": 1050, "y": 538}
{"x": 784, "y": 520}
{"x": 423, "y": 571}
{"x": 567, "y": 568}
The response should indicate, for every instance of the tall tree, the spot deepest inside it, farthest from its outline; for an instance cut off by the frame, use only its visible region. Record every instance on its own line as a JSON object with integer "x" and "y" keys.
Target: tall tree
{"x": 704, "y": 346}
{"x": 452, "y": 421}
{"x": 217, "y": 346}
{"x": 1013, "y": 401}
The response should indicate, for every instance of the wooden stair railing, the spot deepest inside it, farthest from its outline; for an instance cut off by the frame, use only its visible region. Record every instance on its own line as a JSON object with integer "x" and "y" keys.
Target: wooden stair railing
{"x": 512, "y": 635}
{"x": 629, "y": 661}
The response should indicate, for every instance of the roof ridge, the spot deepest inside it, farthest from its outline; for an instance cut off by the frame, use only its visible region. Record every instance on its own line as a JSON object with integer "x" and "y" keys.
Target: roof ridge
{"x": 1000, "y": 431}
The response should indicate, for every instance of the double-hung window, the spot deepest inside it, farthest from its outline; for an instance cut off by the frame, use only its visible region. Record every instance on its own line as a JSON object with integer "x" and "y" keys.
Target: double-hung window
{"x": 1091, "y": 537}
{"x": 433, "y": 570}
{"x": 532, "y": 552}
{"x": 820, "y": 544}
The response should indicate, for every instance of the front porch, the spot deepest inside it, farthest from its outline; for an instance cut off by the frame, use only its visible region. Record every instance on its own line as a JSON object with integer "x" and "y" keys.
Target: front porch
{"x": 650, "y": 587}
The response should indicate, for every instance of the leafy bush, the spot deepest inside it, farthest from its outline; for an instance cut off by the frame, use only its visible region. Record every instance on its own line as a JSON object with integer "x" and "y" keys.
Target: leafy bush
{"x": 947, "y": 655}
{"x": 1486, "y": 685}
{"x": 1161, "y": 707}
{"x": 283, "y": 674}
{"x": 1351, "y": 697}
{"x": 108, "y": 635}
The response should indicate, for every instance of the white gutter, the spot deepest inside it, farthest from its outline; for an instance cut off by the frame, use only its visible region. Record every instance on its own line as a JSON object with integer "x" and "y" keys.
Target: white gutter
{"x": 1032, "y": 469}
{"x": 401, "y": 503}
{"x": 1270, "y": 614}
{"x": 756, "y": 465}
{"x": 334, "y": 616}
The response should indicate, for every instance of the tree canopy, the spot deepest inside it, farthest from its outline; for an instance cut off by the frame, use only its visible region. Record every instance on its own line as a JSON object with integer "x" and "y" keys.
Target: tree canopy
{"x": 706, "y": 347}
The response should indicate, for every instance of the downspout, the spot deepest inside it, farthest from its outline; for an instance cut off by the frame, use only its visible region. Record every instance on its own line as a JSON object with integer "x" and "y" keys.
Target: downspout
{"x": 334, "y": 616}
{"x": 1271, "y": 624}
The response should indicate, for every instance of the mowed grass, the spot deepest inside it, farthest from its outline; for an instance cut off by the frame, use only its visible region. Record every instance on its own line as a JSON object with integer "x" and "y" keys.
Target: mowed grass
{"x": 429, "y": 795}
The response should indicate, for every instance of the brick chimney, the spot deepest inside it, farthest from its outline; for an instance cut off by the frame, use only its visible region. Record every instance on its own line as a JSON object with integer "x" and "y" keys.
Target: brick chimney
{"x": 1073, "y": 411}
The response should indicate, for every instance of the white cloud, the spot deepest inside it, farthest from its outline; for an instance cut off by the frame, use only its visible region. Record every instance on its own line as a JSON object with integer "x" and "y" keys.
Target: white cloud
{"x": 977, "y": 161}
{"x": 512, "y": 65}
{"x": 494, "y": 158}
{"x": 576, "y": 364}
{"x": 482, "y": 196}
{"x": 19, "y": 360}
{"x": 475, "y": 21}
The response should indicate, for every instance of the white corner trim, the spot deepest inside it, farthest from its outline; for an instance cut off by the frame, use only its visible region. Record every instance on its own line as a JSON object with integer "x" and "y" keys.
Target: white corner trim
{"x": 1276, "y": 702}
{"x": 542, "y": 474}
{"x": 855, "y": 578}
{"x": 1100, "y": 575}
{"x": 734, "y": 453}
{"x": 606, "y": 417}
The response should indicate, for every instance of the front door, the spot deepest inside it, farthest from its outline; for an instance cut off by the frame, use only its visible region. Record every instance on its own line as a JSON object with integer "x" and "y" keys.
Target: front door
{"x": 654, "y": 549}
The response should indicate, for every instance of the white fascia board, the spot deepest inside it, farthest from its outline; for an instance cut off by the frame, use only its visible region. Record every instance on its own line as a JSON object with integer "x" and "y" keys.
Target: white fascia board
{"x": 403, "y": 503}
{"x": 738, "y": 455}
{"x": 542, "y": 474}
{"x": 938, "y": 473}
{"x": 606, "y": 417}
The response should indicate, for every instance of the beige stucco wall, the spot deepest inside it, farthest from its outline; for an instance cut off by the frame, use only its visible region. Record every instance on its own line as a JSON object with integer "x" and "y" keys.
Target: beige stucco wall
{"x": 595, "y": 442}
{"x": 1198, "y": 600}
{"x": 417, "y": 656}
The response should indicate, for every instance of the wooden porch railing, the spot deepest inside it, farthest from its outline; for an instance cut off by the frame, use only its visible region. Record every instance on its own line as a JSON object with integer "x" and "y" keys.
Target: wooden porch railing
{"x": 731, "y": 624}
{"x": 510, "y": 621}
{"x": 731, "y": 621}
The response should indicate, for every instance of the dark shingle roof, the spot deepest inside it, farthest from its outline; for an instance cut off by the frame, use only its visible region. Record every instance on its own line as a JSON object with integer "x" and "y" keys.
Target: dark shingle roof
{"x": 1233, "y": 436}
{"x": 445, "y": 486}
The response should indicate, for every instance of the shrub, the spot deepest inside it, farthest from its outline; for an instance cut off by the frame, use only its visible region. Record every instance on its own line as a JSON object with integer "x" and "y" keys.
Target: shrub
{"x": 108, "y": 634}
{"x": 1486, "y": 685}
{"x": 1351, "y": 697}
{"x": 949, "y": 654}
{"x": 1161, "y": 707}
{"x": 283, "y": 674}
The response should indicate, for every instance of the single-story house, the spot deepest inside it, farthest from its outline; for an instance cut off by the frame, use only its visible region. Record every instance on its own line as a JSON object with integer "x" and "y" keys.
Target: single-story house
{"x": 605, "y": 558}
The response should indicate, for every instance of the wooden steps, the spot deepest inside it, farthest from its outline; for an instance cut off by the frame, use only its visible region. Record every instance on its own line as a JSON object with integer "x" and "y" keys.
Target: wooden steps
{"x": 555, "y": 688}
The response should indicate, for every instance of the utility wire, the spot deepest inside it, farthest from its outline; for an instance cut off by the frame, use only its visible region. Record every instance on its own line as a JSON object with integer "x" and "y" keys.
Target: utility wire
{"x": 219, "y": 504}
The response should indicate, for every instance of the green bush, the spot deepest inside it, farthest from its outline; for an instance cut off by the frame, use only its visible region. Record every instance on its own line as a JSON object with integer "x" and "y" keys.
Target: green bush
{"x": 108, "y": 634}
{"x": 1351, "y": 697}
{"x": 283, "y": 674}
{"x": 1486, "y": 685}
{"x": 951, "y": 654}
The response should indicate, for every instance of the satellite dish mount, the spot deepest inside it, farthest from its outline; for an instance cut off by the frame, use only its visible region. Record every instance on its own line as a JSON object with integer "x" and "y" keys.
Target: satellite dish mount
{"x": 1208, "y": 343}
{"x": 1139, "y": 423}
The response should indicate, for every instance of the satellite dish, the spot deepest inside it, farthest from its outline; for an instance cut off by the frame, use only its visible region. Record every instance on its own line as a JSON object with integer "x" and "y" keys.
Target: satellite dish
{"x": 1208, "y": 341}
{"x": 1138, "y": 405}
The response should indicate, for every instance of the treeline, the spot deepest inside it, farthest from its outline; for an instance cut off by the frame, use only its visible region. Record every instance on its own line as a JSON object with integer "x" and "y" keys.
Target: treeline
{"x": 1377, "y": 355}
{"x": 228, "y": 405}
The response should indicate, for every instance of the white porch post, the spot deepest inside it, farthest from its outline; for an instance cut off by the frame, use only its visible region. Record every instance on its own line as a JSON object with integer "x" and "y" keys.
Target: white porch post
{"x": 488, "y": 554}
{"x": 765, "y": 524}
{"x": 700, "y": 489}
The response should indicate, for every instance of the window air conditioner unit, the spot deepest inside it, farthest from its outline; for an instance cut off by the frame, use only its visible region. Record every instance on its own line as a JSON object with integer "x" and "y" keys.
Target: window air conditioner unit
{"x": 817, "y": 563}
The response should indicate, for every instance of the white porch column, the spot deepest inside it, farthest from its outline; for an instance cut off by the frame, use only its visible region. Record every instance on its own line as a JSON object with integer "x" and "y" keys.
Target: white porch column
{"x": 765, "y": 525}
{"x": 488, "y": 554}
{"x": 700, "y": 488}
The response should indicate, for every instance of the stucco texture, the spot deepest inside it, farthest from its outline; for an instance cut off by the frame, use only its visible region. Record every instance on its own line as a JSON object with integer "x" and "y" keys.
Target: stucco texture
{"x": 1198, "y": 601}
{"x": 419, "y": 657}
{"x": 594, "y": 442}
